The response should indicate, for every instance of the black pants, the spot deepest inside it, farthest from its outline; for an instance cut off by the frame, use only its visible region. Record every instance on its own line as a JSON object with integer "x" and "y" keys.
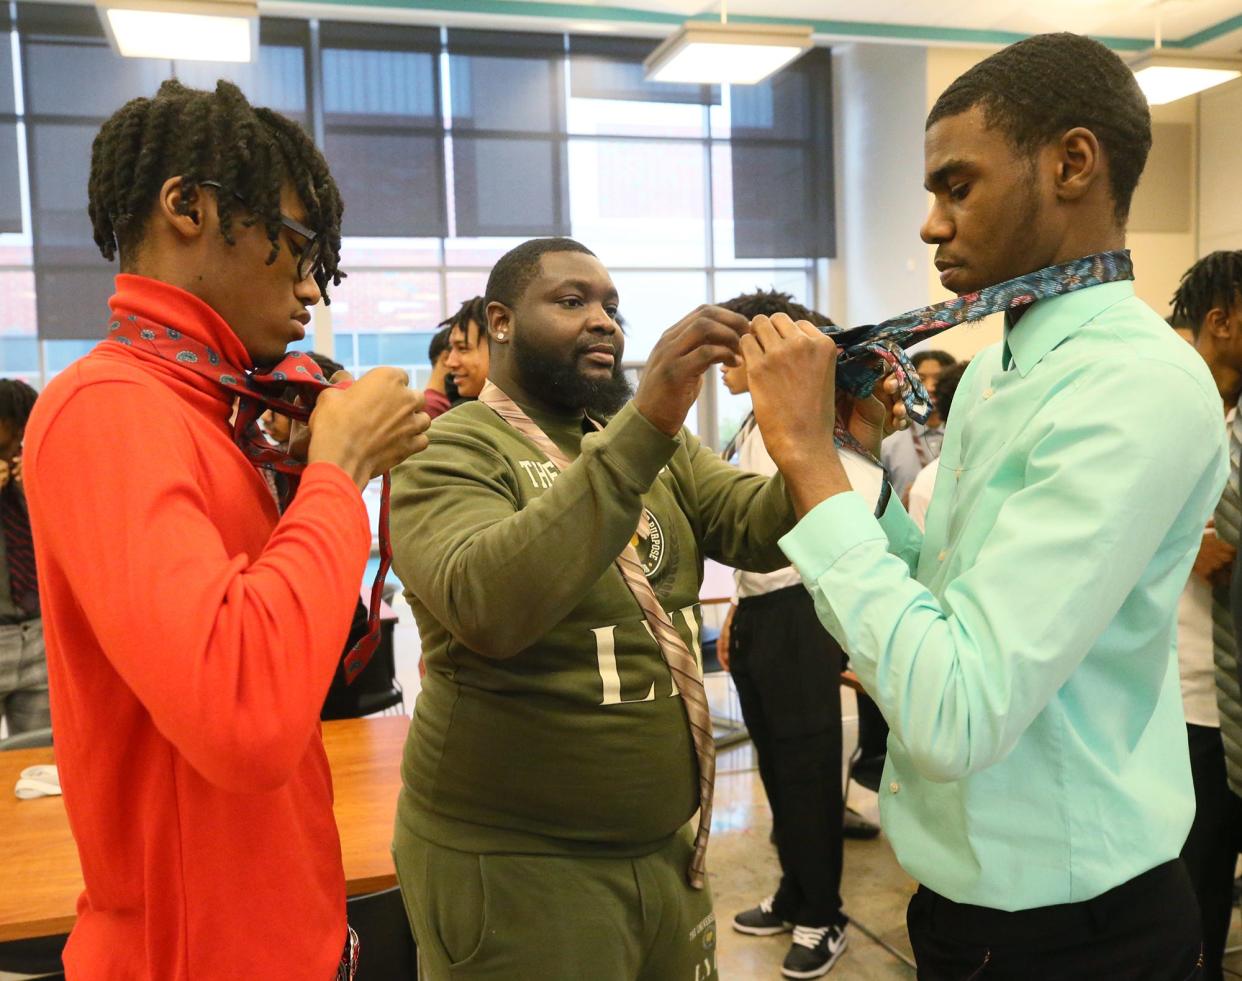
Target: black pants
{"x": 788, "y": 674}
{"x": 1211, "y": 850}
{"x": 1146, "y": 929}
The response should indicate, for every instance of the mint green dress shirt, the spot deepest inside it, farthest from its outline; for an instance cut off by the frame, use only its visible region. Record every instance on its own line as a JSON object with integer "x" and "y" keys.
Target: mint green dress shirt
{"x": 1022, "y": 650}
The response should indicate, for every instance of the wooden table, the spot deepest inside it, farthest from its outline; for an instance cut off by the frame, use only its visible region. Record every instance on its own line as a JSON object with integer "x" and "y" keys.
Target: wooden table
{"x": 40, "y": 879}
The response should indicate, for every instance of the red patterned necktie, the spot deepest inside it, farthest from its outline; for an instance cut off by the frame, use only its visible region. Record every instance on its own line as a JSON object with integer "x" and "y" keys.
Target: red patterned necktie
{"x": 258, "y": 391}
{"x": 684, "y": 666}
{"x": 19, "y": 552}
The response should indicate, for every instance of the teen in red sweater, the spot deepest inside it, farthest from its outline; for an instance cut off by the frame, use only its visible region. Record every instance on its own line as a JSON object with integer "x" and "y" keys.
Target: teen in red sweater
{"x": 192, "y": 631}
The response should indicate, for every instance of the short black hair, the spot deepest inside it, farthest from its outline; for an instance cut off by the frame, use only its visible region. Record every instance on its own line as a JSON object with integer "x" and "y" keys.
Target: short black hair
{"x": 16, "y": 400}
{"x": 473, "y": 309}
{"x": 1038, "y": 89}
{"x": 518, "y": 268}
{"x": 209, "y": 136}
{"x": 326, "y": 364}
{"x": 439, "y": 343}
{"x": 764, "y": 303}
{"x": 946, "y": 387}
{"x": 1214, "y": 282}
{"x": 943, "y": 358}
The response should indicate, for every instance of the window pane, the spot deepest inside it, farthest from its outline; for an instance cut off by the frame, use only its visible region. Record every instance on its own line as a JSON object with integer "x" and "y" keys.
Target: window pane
{"x": 19, "y": 348}
{"x": 392, "y": 182}
{"x": 479, "y": 251}
{"x": 380, "y": 302}
{"x": 795, "y": 282}
{"x": 10, "y": 175}
{"x": 86, "y": 79}
{"x": 723, "y": 217}
{"x": 506, "y": 81}
{"x": 639, "y": 203}
{"x": 392, "y": 86}
{"x": 611, "y": 117}
{"x": 651, "y": 302}
{"x": 731, "y": 410}
{"x": 463, "y": 286}
{"x": 360, "y": 251}
{"x": 405, "y": 349}
{"x": 505, "y": 186}
{"x": 276, "y": 80}
{"x": 61, "y": 354}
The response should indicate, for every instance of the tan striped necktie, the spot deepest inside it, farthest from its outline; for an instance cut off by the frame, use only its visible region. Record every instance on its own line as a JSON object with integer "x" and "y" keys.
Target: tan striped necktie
{"x": 687, "y": 676}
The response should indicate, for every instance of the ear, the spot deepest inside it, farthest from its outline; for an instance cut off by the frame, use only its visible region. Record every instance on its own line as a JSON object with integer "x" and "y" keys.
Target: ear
{"x": 499, "y": 322}
{"x": 1217, "y": 324}
{"x": 1079, "y": 164}
{"x": 185, "y": 214}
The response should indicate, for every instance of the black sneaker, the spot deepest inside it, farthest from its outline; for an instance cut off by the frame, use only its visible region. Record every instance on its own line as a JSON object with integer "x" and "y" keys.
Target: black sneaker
{"x": 856, "y": 826}
{"x": 761, "y": 921}
{"x": 814, "y": 951}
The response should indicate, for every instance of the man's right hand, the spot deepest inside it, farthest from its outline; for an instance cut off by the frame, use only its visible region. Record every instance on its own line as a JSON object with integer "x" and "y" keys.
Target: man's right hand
{"x": 674, "y": 373}
{"x": 726, "y": 635}
{"x": 1214, "y": 557}
{"x": 369, "y": 427}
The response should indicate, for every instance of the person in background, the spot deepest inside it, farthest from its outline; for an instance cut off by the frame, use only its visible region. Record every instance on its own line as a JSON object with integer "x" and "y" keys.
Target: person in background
{"x": 1209, "y": 299}
{"x": 907, "y": 452}
{"x": 23, "y": 661}
{"x": 787, "y": 670}
{"x": 193, "y": 628}
{"x": 920, "y": 493}
{"x": 436, "y": 398}
{"x": 1037, "y": 785}
{"x": 469, "y": 348}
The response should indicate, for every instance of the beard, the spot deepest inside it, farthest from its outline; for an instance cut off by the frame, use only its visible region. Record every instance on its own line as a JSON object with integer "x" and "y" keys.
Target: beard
{"x": 562, "y": 383}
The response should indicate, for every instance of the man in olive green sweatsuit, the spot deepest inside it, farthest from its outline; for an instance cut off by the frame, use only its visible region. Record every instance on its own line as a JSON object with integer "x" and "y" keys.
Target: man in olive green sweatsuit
{"x": 545, "y": 824}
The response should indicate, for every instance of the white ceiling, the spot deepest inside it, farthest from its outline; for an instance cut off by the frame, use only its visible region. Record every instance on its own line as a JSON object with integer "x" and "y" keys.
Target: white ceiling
{"x": 1131, "y": 19}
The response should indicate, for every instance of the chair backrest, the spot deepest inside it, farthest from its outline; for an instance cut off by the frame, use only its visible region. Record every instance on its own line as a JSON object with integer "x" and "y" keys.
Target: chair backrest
{"x": 31, "y": 739}
{"x": 387, "y": 944}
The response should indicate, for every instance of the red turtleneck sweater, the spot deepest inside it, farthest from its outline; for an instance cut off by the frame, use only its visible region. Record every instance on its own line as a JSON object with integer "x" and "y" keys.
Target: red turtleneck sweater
{"x": 192, "y": 633}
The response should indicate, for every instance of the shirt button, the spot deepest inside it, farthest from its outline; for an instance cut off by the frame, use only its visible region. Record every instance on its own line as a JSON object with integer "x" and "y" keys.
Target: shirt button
{"x": 894, "y": 786}
{"x": 989, "y": 392}
{"x": 943, "y": 553}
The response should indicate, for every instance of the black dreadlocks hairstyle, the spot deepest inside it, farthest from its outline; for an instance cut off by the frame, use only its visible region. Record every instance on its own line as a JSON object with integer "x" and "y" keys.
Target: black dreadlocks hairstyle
{"x": 439, "y": 343}
{"x": 518, "y": 267}
{"x": 16, "y": 400}
{"x": 1036, "y": 90}
{"x": 1214, "y": 282}
{"x": 209, "y": 136}
{"x": 764, "y": 303}
{"x": 474, "y": 309}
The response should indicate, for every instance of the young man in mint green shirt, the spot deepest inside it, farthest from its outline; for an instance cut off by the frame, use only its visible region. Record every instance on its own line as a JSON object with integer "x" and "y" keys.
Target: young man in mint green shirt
{"x": 1037, "y": 783}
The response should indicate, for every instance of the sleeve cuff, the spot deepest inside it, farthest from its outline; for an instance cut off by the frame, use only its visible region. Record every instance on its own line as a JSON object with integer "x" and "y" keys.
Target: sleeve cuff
{"x": 643, "y": 449}
{"x": 832, "y": 528}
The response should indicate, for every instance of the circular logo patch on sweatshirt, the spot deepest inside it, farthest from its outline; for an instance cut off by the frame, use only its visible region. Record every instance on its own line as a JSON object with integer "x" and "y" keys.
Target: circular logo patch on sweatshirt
{"x": 649, "y": 542}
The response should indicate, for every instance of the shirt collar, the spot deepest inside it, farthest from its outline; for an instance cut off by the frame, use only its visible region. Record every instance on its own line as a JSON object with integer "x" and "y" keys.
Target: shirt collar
{"x": 1049, "y": 322}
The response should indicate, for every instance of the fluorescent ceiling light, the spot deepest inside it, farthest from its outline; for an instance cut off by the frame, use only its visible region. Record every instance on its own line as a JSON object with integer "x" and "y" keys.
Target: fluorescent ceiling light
{"x": 177, "y": 30}
{"x": 1166, "y": 76}
{"x": 710, "y": 53}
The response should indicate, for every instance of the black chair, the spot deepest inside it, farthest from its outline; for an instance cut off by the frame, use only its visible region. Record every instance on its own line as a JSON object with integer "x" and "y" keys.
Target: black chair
{"x": 387, "y": 944}
{"x": 31, "y": 739}
{"x": 377, "y": 688}
{"x": 38, "y": 956}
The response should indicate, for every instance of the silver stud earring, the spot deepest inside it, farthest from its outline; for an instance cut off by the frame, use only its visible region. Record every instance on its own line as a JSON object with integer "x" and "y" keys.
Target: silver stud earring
{"x": 501, "y": 336}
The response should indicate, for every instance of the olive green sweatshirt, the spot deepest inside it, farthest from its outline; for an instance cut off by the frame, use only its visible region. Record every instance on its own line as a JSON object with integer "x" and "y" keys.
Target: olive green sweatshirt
{"x": 548, "y": 722}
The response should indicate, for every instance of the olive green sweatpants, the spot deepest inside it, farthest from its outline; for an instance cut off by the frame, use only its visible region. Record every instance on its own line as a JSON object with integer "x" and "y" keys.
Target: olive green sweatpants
{"x": 549, "y": 918}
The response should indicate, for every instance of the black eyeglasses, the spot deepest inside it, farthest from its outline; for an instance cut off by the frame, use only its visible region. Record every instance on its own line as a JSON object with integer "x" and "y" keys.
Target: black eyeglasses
{"x": 309, "y": 258}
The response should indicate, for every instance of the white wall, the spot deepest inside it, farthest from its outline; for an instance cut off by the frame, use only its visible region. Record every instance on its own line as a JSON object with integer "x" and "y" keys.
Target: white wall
{"x": 1220, "y": 176}
{"x": 879, "y": 94}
